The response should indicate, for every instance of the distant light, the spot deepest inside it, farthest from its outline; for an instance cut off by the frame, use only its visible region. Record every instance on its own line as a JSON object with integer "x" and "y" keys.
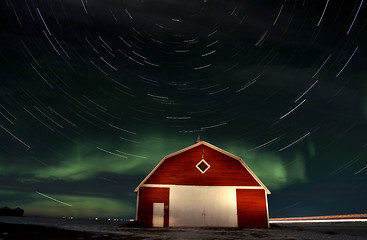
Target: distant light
{"x": 320, "y": 220}
{"x": 96, "y": 219}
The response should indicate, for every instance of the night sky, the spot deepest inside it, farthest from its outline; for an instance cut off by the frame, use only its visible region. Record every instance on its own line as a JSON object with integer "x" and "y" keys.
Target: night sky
{"x": 93, "y": 94}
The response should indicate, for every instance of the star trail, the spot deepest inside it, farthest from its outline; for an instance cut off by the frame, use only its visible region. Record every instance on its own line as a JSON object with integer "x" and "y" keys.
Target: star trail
{"x": 93, "y": 94}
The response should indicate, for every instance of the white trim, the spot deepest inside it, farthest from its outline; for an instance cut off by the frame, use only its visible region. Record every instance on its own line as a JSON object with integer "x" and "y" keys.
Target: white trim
{"x": 208, "y": 166}
{"x": 137, "y": 206}
{"x": 198, "y": 186}
{"x": 210, "y": 146}
{"x": 267, "y": 209}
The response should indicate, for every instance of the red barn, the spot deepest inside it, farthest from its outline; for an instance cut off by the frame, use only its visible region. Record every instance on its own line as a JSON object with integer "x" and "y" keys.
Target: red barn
{"x": 202, "y": 186}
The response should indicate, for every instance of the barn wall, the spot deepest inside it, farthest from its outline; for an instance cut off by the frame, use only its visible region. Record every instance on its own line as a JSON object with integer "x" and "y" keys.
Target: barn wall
{"x": 181, "y": 170}
{"x": 252, "y": 208}
{"x": 148, "y": 196}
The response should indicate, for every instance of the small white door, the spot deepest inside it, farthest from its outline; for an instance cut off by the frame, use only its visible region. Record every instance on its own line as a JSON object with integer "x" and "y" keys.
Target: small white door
{"x": 158, "y": 214}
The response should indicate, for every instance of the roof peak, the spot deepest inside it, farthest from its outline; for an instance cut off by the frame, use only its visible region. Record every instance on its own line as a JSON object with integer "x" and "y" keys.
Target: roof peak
{"x": 198, "y": 140}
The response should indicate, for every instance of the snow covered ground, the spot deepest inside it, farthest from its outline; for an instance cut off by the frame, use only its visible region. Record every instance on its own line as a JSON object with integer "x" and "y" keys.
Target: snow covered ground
{"x": 114, "y": 230}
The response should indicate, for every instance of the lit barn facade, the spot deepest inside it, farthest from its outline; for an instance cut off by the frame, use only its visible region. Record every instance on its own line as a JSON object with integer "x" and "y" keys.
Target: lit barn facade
{"x": 202, "y": 186}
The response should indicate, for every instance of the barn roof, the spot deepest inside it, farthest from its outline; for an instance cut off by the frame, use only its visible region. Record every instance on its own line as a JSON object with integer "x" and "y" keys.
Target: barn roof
{"x": 210, "y": 146}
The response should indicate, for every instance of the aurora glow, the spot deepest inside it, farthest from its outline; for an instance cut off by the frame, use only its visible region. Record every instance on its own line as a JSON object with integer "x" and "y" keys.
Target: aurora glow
{"x": 93, "y": 94}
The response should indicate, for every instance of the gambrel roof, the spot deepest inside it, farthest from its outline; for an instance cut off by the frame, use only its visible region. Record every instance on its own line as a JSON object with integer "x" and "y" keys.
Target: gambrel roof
{"x": 203, "y": 143}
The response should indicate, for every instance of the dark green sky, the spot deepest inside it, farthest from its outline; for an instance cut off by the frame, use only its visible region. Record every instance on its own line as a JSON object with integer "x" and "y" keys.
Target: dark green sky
{"x": 93, "y": 94}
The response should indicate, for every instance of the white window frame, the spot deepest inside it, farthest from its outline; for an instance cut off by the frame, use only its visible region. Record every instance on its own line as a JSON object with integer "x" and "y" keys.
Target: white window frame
{"x": 197, "y": 166}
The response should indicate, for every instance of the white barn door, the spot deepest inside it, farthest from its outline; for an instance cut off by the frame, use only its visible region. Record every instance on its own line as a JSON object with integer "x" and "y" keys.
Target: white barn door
{"x": 158, "y": 214}
{"x": 202, "y": 206}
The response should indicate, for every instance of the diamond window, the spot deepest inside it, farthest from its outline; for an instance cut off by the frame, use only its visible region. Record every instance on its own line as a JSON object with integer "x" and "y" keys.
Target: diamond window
{"x": 203, "y": 166}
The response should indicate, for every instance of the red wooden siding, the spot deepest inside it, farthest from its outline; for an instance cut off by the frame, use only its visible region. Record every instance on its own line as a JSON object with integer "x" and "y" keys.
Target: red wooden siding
{"x": 181, "y": 170}
{"x": 148, "y": 196}
{"x": 251, "y": 208}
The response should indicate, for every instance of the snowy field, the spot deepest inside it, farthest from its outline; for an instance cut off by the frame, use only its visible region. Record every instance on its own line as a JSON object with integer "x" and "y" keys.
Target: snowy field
{"x": 103, "y": 229}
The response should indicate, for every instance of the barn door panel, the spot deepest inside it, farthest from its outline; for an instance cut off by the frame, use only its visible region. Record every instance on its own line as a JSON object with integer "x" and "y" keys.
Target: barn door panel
{"x": 203, "y": 207}
{"x": 158, "y": 214}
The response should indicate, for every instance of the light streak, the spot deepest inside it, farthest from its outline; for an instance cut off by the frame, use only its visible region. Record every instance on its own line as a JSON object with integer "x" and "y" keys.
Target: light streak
{"x": 129, "y": 140}
{"x": 152, "y": 64}
{"x": 319, "y": 221}
{"x": 15, "y": 13}
{"x": 129, "y": 154}
{"x": 322, "y": 15}
{"x": 110, "y": 152}
{"x": 105, "y": 43}
{"x": 15, "y": 137}
{"x": 231, "y": 67}
{"x": 182, "y": 51}
{"x": 360, "y": 170}
{"x": 38, "y": 119}
{"x": 156, "y": 96}
{"x": 139, "y": 55}
{"x": 321, "y": 66}
{"x": 48, "y": 117}
{"x": 306, "y": 91}
{"x": 337, "y": 75}
{"x": 132, "y": 59}
{"x": 248, "y": 84}
{"x": 39, "y": 74}
{"x": 8, "y": 111}
{"x": 179, "y": 118}
{"x": 211, "y": 44}
{"x": 128, "y": 13}
{"x": 98, "y": 68}
{"x": 292, "y": 109}
{"x": 210, "y": 34}
{"x": 62, "y": 48}
{"x": 261, "y": 39}
{"x": 281, "y": 8}
{"x": 29, "y": 10}
{"x": 30, "y": 53}
{"x": 7, "y": 118}
{"x": 157, "y": 41}
{"x": 61, "y": 116}
{"x": 213, "y": 126}
{"x": 124, "y": 41}
{"x": 51, "y": 43}
{"x": 91, "y": 45}
{"x": 233, "y": 11}
{"x": 344, "y": 216}
{"x": 294, "y": 142}
{"x": 264, "y": 144}
{"x": 108, "y": 63}
{"x": 242, "y": 20}
{"x": 84, "y": 6}
{"x": 53, "y": 199}
{"x": 206, "y": 54}
{"x": 202, "y": 67}
{"x": 221, "y": 90}
{"x": 44, "y": 23}
{"x": 359, "y": 8}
